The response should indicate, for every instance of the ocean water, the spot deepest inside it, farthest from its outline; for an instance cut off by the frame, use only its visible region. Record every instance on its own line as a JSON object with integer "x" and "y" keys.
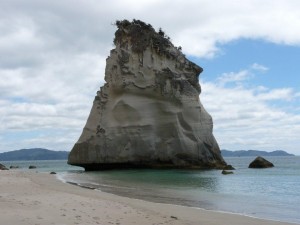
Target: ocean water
{"x": 272, "y": 193}
{"x": 59, "y": 166}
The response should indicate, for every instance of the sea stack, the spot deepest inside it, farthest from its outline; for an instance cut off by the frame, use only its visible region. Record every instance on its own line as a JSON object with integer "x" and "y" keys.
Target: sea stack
{"x": 148, "y": 113}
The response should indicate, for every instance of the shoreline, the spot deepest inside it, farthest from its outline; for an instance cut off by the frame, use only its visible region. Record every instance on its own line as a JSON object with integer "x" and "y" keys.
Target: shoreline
{"x": 172, "y": 204}
{"x": 40, "y": 198}
{"x": 163, "y": 196}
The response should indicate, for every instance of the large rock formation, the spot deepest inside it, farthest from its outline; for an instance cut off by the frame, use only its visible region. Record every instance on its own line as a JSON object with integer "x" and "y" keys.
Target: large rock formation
{"x": 148, "y": 113}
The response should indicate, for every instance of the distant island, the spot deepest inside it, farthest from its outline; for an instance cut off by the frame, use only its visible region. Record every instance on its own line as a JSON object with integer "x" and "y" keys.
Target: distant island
{"x": 245, "y": 153}
{"x": 46, "y": 154}
{"x": 33, "y": 154}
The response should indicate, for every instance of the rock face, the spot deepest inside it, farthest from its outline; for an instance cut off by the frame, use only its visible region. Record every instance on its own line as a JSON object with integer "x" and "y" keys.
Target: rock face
{"x": 225, "y": 172}
{"x": 2, "y": 167}
{"x": 148, "y": 113}
{"x": 14, "y": 167}
{"x": 260, "y": 162}
{"x": 228, "y": 167}
{"x": 32, "y": 167}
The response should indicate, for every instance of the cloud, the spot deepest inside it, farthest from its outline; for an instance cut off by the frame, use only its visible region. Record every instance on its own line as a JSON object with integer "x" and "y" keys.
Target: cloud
{"x": 198, "y": 26}
{"x": 229, "y": 21}
{"x": 233, "y": 77}
{"x": 285, "y": 94}
{"x": 243, "y": 75}
{"x": 245, "y": 118}
{"x": 258, "y": 67}
{"x": 52, "y": 56}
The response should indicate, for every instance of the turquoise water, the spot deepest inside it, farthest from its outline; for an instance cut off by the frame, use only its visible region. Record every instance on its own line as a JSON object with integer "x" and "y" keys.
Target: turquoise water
{"x": 272, "y": 193}
{"x": 59, "y": 166}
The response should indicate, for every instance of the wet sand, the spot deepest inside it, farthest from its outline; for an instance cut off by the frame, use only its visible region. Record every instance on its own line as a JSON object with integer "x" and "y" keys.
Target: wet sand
{"x": 31, "y": 198}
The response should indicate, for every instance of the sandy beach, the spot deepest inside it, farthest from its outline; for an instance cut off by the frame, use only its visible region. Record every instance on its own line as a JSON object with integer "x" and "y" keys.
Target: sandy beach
{"x": 31, "y": 198}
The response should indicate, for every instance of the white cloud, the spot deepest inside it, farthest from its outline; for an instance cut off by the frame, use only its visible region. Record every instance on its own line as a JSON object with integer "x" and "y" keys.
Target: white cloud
{"x": 234, "y": 77}
{"x": 244, "y": 117}
{"x": 52, "y": 55}
{"x": 242, "y": 75}
{"x": 278, "y": 94}
{"x": 197, "y": 25}
{"x": 254, "y": 19}
{"x": 258, "y": 67}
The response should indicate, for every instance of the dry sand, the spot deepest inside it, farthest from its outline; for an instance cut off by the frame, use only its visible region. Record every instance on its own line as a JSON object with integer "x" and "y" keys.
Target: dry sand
{"x": 39, "y": 198}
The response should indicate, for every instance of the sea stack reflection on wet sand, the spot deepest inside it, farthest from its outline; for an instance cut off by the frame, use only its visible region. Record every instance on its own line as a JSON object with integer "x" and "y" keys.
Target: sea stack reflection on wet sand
{"x": 148, "y": 113}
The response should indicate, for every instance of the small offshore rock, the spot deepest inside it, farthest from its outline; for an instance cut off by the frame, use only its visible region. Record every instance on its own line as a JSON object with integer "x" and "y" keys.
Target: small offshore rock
{"x": 228, "y": 167}
{"x": 2, "y": 167}
{"x": 32, "y": 167}
{"x": 260, "y": 162}
{"x": 52, "y": 172}
{"x": 14, "y": 167}
{"x": 224, "y": 172}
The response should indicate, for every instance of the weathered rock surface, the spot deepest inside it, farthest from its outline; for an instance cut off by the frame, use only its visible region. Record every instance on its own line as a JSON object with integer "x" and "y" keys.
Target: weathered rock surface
{"x": 260, "y": 162}
{"x": 228, "y": 167}
{"x": 148, "y": 113}
{"x": 14, "y": 167}
{"x": 225, "y": 172}
{"x": 2, "y": 167}
{"x": 32, "y": 167}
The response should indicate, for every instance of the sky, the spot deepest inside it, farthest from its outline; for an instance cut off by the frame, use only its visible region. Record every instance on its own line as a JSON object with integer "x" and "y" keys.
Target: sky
{"x": 52, "y": 63}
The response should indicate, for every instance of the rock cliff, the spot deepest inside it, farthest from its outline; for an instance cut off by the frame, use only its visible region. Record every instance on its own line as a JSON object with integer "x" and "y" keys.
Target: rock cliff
{"x": 148, "y": 113}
